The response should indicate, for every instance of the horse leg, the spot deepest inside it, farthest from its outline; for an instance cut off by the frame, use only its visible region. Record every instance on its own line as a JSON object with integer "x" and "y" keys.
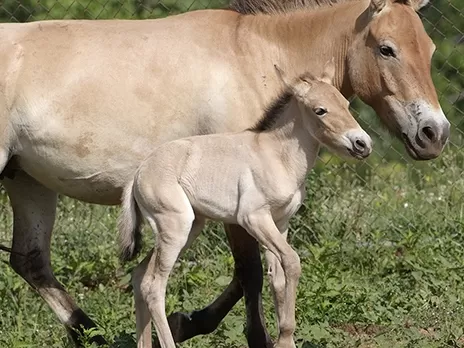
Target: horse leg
{"x": 248, "y": 280}
{"x": 34, "y": 208}
{"x": 249, "y": 272}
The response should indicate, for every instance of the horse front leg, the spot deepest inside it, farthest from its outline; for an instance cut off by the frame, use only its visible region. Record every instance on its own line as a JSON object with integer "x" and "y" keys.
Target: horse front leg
{"x": 249, "y": 272}
{"x": 247, "y": 280}
{"x": 34, "y": 208}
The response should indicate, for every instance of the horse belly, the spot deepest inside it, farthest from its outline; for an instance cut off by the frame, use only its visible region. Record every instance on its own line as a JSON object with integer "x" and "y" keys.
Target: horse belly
{"x": 88, "y": 164}
{"x": 77, "y": 178}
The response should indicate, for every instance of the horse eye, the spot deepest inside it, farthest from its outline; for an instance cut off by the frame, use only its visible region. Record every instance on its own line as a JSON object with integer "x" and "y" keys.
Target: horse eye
{"x": 386, "y": 51}
{"x": 320, "y": 111}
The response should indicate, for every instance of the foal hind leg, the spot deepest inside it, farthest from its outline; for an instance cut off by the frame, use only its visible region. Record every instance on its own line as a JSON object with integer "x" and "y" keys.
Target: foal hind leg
{"x": 172, "y": 236}
{"x": 34, "y": 209}
{"x": 195, "y": 231}
{"x": 142, "y": 313}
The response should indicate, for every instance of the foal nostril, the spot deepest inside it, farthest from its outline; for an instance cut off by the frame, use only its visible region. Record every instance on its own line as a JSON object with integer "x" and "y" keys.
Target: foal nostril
{"x": 360, "y": 145}
{"x": 429, "y": 133}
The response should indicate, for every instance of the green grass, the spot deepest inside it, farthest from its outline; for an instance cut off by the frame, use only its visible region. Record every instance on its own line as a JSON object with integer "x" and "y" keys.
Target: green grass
{"x": 381, "y": 246}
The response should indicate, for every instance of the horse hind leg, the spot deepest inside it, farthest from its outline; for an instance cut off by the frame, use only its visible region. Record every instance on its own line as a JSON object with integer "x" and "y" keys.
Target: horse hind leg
{"x": 34, "y": 208}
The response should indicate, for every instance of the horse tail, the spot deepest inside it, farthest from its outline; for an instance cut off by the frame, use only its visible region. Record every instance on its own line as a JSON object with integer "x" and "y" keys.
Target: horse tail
{"x": 129, "y": 225}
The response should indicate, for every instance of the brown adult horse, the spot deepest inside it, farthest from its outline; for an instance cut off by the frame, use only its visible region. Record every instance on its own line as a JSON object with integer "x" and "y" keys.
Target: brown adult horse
{"x": 82, "y": 102}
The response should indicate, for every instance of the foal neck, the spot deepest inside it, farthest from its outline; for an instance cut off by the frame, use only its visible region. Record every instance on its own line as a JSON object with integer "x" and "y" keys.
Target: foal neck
{"x": 290, "y": 142}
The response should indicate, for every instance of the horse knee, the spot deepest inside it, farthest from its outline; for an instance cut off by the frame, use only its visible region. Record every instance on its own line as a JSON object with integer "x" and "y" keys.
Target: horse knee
{"x": 33, "y": 267}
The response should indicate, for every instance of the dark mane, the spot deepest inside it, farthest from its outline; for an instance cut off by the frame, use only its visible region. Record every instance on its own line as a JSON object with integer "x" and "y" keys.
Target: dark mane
{"x": 278, "y": 6}
{"x": 273, "y": 112}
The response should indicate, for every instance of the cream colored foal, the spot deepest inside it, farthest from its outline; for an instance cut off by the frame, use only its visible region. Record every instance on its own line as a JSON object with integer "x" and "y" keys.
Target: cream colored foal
{"x": 254, "y": 178}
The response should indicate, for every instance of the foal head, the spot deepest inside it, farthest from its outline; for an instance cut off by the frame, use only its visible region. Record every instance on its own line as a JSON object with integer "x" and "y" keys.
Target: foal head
{"x": 325, "y": 114}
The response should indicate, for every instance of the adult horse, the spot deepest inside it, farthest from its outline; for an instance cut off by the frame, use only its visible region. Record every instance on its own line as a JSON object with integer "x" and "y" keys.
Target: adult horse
{"x": 82, "y": 103}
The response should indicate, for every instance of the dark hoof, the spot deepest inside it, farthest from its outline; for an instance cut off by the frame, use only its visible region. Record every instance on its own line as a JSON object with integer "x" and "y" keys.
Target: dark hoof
{"x": 76, "y": 337}
{"x": 99, "y": 340}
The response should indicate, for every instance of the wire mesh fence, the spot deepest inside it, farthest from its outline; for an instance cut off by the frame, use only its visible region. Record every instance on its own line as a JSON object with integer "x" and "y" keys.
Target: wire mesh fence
{"x": 377, "y": 202}
{"x": 389, "y": 163}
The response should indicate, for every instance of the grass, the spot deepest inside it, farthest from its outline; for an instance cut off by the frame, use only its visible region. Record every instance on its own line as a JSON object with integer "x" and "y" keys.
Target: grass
{"x": 381, "y": 246}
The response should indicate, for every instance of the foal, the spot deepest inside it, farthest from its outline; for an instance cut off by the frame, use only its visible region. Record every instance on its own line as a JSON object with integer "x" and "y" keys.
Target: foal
{"x": 254, "y": 178}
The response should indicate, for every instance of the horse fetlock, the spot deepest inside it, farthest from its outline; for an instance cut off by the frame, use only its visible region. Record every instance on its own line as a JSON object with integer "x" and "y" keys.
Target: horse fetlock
{"x": 77, "y": 323}
{"x": 286, "y": 332}
{"x": 285, "y": 344}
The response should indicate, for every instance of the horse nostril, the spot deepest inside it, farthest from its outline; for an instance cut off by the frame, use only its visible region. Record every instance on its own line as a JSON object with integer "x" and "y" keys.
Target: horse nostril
{"x": 360, "y": 145}
{"x": 429, "y": 133}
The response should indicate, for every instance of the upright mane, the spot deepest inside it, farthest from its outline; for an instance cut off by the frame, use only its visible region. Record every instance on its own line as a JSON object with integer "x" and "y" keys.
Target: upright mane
{"x": 279, "y": 6}
{"x": 273, "y": 112}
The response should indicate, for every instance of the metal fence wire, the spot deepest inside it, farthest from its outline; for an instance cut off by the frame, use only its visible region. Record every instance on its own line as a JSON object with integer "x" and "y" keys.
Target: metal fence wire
{"x": 380, "y": 189}
{"x": 444, "y": 21}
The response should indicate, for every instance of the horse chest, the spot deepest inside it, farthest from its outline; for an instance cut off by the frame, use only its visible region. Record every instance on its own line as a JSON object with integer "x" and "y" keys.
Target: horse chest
{"x": 288, "y": 207}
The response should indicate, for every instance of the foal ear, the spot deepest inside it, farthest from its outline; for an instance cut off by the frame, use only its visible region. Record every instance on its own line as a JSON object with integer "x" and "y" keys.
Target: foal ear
{"x": 378, "y": 5}
{"x": 282, "y": 76}
{"x": 417, "y": 4}
{"x": 328, "y": 75}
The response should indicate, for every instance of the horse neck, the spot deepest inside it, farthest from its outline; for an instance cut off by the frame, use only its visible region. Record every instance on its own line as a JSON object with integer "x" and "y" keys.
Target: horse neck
{"x": 291, "y": 143}
{"x": 304, "y": 40}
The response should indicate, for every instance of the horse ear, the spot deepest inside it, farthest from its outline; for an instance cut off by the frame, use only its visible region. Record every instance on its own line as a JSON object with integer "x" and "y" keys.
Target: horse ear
{"x": 418, "y": 4}
{"x": 282, "y": 76}
{"x": 378, "y": 5}
{"x": 328, "y": 75}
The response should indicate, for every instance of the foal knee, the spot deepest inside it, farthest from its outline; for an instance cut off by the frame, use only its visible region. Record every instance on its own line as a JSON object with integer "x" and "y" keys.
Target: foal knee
{"x": 276, "y": 277}
{"x": 291, "y": 265}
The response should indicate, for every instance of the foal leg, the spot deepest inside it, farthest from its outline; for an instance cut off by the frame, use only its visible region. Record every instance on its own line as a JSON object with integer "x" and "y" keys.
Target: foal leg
{"x": 276, "y": 281}
{"x": 173, "y": 232}
{"x": 247, "y": 280}
{"x": 142, "y": 312}
{"x": 263, "y": 228}
{"x": 34, "y": 209}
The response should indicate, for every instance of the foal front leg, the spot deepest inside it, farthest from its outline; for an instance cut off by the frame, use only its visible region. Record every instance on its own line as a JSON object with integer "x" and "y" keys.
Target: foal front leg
{"x": 276, "y": 281}
{"x": 247, "y": 281}
{"x": 262, "y": 227}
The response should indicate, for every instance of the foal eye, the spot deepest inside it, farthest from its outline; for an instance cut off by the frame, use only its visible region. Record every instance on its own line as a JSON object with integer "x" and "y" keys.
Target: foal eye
{"x": 320, "y": 111}
{"x": 386, "y": 51}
